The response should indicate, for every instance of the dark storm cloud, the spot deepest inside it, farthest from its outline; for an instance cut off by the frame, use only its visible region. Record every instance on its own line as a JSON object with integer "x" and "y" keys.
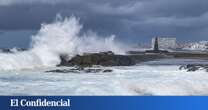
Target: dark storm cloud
{"x": 133, "y": 20}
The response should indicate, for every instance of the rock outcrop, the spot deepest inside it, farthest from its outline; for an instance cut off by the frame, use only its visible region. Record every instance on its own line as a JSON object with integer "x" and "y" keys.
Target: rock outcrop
{"x": 194, "y": 67}
{"x": 81, "y": 70}
{"x": 103, "y": 59}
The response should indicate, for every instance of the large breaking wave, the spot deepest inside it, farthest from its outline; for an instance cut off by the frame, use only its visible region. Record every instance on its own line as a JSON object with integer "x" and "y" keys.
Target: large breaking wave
{"x": 63, "y": 36}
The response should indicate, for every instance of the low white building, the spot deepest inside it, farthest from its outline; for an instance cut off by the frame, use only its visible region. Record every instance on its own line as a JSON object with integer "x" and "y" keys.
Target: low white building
{"x": 165, "y": 43}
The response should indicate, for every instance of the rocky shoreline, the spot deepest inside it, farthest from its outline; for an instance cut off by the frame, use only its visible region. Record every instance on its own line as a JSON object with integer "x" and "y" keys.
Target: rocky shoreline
{"x": 81, "y": 70}
{"x": 108, "y": 59}
{"x": 111, "y": 59}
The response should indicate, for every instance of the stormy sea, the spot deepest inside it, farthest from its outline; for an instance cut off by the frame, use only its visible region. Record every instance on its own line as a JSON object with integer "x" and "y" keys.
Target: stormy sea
{"x": 28, "y": 72}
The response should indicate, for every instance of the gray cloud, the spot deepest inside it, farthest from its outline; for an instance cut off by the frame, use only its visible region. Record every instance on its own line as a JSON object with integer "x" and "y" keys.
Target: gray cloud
{"x": 11, "y": 2}
{"x": 132, "y": 20}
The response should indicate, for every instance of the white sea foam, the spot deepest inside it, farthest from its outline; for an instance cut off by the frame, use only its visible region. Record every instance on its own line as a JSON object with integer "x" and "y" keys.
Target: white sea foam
{"x": 63, "y": 36}
{"x": 134, "y": 80}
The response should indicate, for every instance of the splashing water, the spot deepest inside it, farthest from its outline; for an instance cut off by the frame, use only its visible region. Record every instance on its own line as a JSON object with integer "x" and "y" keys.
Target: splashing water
{"x": 60, "y": 37}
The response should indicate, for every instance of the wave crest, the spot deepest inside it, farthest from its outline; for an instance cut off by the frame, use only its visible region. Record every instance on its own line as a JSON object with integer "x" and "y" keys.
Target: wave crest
{"x": 63, "y": 36}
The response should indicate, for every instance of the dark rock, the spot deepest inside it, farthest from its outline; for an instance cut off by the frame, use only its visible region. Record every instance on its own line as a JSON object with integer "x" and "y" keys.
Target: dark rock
{"x": 107, "y": 71}
{"x": 64, "y": 59}
{"x": 22, "y": 49}
{"x": 103, "y": 59}
{"x": 92, "y": 70}
{"x": 78, "y": 70}
{"x": 194, "y": 67}
{"x": 64, "y": 71}
{"x": 158, "y": 51}
{"x": 102, "y": 53}
{"x": 182, "y": 67}
{"x": 7, "y": 50}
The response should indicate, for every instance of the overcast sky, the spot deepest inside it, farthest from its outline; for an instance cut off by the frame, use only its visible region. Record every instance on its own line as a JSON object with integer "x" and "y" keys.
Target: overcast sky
{"x": 131, "y": 20}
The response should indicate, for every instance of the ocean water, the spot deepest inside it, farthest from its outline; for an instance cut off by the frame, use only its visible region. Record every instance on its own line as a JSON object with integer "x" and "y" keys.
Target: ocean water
{"x": 23, "y": 73}
{"x": 149, "y": 78}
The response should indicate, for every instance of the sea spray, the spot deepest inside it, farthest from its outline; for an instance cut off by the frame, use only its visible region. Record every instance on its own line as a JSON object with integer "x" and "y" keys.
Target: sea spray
{"x": 60, "y": 37}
